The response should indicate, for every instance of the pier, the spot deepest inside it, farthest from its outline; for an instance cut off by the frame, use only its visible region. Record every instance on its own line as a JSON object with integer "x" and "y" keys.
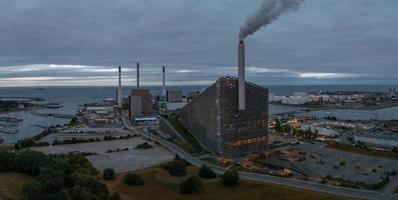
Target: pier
{"x": 56, "y": 115}
{"x": 10, "y": 119}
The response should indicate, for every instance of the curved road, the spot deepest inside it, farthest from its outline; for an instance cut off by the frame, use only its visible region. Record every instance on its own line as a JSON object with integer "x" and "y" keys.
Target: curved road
{"x": 334, "y": 190}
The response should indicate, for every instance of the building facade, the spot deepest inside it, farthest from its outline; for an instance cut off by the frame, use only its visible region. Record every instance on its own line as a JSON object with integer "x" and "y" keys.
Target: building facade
{"x": 140, "y": 102}
{"x": 174, "y": 96}
{"x": 214, "y": 120}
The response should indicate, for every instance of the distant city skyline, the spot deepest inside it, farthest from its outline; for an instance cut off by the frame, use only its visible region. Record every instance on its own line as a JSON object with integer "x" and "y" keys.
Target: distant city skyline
{"x": 79, "y": 43}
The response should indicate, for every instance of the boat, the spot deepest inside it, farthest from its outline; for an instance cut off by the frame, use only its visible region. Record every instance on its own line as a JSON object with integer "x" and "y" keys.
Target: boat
{"x": 8, "y": 130}
{"x": 8, "y": 124}
{"x": 10, "y": 119}
{"x": 53, "y": 106}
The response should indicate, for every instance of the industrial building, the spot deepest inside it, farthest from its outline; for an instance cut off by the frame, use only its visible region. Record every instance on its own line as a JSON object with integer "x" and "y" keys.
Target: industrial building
{"x": 230, "y": 118}
{"x": 140, "y": 102}
{"x": 384, "y": 140}
{"x": 384, "y": 136}
{"x": 191, "y": 95}
{"x": 174, "y": 96}
{"x": 214, "y": 119}
{"x": 174, "y": 100}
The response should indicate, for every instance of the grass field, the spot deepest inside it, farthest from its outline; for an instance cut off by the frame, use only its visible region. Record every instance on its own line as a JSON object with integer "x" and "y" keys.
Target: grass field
{"x": 364, "y": 151}
{"x": 11, "y": 185}
{"x": 6, "y": 147}
{"x": 159, "y": 184}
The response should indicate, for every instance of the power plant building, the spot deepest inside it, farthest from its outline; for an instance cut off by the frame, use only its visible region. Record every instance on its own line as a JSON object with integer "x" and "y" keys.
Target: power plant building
{"x": 174, "y": 96}
{"x": 224, "y": 127}
{"x": 140, "y": 102}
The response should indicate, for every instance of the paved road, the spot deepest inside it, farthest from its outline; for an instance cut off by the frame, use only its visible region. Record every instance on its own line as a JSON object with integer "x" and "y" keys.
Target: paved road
{"x": 391, "y": 186}
{"x": 334, "y": 190}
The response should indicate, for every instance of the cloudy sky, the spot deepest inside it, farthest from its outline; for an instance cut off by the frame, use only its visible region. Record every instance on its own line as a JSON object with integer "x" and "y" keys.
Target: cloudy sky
{"x": 81, "y": 42}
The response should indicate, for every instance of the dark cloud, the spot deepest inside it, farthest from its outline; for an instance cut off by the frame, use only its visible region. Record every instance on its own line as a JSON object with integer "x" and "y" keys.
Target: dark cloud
{"x": 324, "y": 42}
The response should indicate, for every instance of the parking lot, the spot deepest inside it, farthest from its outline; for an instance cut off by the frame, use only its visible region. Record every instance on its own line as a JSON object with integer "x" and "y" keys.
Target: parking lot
{"x": 84, "y": 133}
{"x": 322, "y": 161}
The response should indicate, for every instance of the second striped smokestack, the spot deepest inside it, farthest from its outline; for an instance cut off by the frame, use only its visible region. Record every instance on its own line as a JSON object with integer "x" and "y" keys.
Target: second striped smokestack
{"x": 241, "y": 75}
{"x": 138, "y": 75}
{"x": 119, "y": 89}
{"x": 163, "y": 81}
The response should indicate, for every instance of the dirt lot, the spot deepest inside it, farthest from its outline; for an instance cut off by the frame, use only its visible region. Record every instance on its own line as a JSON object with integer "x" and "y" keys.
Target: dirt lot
{"x": 121, "y": 161}
{"x": 351, "y": 166}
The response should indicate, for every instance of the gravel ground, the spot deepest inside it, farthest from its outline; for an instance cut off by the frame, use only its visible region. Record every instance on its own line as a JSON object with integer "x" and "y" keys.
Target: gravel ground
{"x": 332, "y": 157}
{"x": 122, "y": 161}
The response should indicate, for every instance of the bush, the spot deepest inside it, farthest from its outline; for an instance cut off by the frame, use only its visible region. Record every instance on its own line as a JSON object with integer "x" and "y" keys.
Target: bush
{"x": 342, "y": 162}
{"x": 108, "y": 174}
{"x": 176, "y": 167}
{"x": 230, "y": 178}
{"x": 65, "y": 176}
{"x": 206, "y": 172}
{"x": 114, "y": 196}
{"x": 191, "y": 185}
{"x": 133, "y": 179}
{"x": 177, "y": 157}
{"x": 144, "y": 145}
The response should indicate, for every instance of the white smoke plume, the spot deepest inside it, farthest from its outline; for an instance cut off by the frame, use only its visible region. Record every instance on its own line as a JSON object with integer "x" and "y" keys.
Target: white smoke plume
{"x": 269, "y": 11}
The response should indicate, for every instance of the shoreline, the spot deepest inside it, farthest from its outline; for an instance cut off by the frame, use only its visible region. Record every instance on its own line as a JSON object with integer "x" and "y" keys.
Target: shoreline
{"x": 318, "y": 108}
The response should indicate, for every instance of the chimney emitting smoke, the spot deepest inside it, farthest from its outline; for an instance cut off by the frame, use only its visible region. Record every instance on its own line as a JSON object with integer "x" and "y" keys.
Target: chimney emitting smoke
{"x": 241, "y": 75}
{"x": 269, "y": 11}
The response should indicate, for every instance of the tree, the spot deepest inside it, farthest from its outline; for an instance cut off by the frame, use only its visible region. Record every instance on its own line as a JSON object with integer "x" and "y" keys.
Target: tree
{"x": 6, "y": 161}
{"x": 206, "y": 172}
{"x": 230, "y": 178}
{"x": 176, "y": 167}
{"x": 108, "y": 174}
{"x": 74, "y": 121}
{"x": 133, "y": 179}
{"x": 89, "y": 184}
{"x": 114, "y": 196}
{"x": 191, "y": 185}
{"x": 28, "y": 142}
{"x": 32, "y": 191}
{"x": 57, "y": 177}
{"x": 278, "y": 125}
{"x": 51, "y": 180}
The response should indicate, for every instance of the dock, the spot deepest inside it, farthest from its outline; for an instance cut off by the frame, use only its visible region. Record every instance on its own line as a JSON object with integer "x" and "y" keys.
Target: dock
{"x": 56, "y": 115}
{"x": 10, "y": 119}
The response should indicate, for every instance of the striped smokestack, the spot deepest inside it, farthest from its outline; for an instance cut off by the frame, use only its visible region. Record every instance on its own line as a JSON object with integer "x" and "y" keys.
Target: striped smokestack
{"x": 138, "y": 75}
{"x": 241, "y": 75}
{"x": 119, "y": 90}
{"x": 163, "y": 81}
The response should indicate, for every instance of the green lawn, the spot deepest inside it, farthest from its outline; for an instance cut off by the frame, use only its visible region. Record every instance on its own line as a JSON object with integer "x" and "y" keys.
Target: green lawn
{"x": 364, "y": 151}
{"x": 11, "y": 185}
{"x": 160, "y": 185}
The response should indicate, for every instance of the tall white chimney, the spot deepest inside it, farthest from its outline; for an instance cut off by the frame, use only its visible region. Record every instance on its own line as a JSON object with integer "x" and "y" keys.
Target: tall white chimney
{"x": 163, "y": 81}
{"x": 241, "y": 75}
{"x": 138, "y": 75}
{"x": 119, "y": 90}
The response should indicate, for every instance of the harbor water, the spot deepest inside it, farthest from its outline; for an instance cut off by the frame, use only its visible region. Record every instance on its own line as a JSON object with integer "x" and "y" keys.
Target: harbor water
{"x": 71, "y": 97}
